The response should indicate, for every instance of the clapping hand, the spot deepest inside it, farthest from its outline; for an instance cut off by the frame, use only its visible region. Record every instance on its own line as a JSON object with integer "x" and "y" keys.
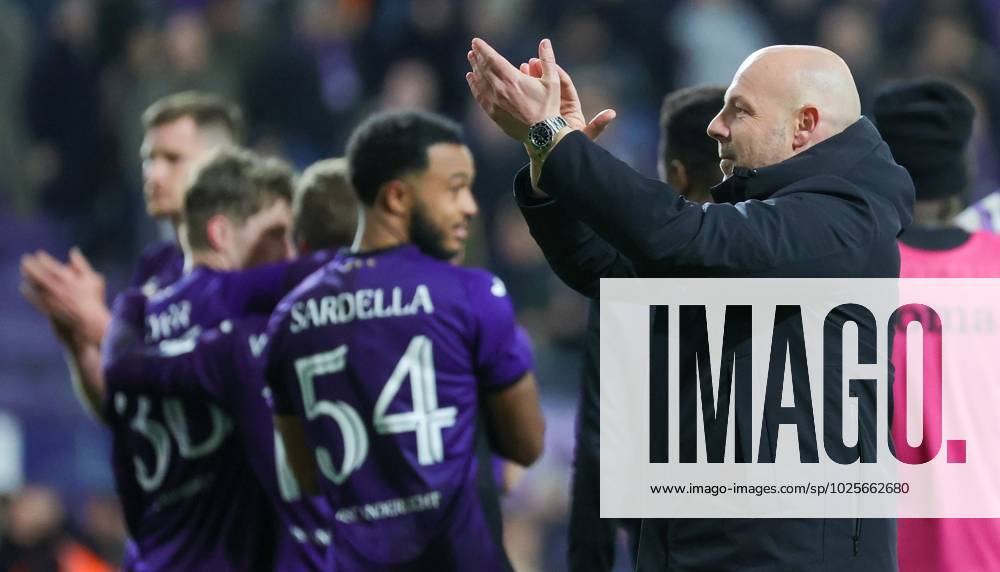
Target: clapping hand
{"x": 516, "y": 98}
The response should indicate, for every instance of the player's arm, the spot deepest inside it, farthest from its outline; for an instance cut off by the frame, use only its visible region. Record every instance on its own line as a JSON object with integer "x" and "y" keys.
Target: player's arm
{"x": 286, "y": 402}
{"x": 195, "y": 367}
{"x": 515, "y": 422}
{"x": 299, "y": 453}
{"x": 503, "y": 362}
{"x": 71, "y": 296}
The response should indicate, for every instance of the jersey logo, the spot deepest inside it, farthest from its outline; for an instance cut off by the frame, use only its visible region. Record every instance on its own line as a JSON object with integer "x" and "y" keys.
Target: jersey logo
{"x": 150, "y": 287}
{"x": 170, "y": 322}
{"x": 257, "y": 344}
{"x": 498, "y": 289}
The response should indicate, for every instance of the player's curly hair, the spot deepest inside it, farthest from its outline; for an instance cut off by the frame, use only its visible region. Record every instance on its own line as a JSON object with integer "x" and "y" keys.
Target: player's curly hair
{"x": 391, "y": 144}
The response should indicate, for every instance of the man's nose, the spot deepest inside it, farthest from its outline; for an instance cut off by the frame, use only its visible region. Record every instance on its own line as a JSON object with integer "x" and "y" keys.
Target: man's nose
{"x": 717, "y": 129}
{"x": 468, "y": 204}
{"x": 155, "y": 173}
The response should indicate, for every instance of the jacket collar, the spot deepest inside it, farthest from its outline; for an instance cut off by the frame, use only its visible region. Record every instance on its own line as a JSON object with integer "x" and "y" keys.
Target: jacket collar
{"x": 835, "y": 156}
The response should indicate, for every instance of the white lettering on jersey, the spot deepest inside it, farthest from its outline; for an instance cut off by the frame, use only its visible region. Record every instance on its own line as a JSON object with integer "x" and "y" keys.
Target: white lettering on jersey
{"x": 364, "y": 304}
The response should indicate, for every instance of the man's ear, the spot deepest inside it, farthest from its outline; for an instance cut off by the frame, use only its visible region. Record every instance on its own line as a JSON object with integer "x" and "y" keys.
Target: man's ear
{"x": 677, "y": 175}
{"x": 396, "y": 197}
{"x": 806, "y": 125}
{"x": 219, "y": 231}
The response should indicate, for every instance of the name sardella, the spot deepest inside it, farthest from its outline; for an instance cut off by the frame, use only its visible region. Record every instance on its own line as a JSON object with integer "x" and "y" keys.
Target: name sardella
{"x": 363, "y": 304}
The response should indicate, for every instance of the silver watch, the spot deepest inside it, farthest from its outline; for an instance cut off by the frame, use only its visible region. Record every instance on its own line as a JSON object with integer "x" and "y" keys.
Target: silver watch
{"x": 542, "y": 134}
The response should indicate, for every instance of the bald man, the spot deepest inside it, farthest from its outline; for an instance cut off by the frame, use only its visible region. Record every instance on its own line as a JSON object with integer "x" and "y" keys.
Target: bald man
{"x": 809, "y": 190}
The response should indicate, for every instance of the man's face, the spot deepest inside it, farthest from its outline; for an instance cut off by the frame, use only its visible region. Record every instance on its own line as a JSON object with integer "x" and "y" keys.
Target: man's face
{"x": 443, "y": 202}
{"x": 168, "y": 152}
{"x": 264, "y": 237}
{"x": 754, "y": 128}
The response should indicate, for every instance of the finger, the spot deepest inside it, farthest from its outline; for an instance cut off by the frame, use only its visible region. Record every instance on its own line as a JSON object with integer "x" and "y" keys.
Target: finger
{"x": 478, "y": 73}
{"x": 50, "y": 264}
{"x": 548, "y": 57}
{"x": 470, "y": 78}
{"x": 52, "y": 273}
{"x": 536, "y": 67}
{"x": 38, "y": 298}
{"x": 36, "y": 272}
{"x": 477, "y": 93}
{"x": 31, "y": 294}
{"x": 524, "y": 68}
{"x": 78, "y": 261}
{"x": 599, "y": 123}
{"x": 491, "y": 61}
{"x": 566, "y": 84}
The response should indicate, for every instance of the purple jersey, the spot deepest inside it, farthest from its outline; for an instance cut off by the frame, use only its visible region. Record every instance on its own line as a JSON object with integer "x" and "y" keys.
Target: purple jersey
{"x": 385, "y": 355}
{"x": 225, "y": 366}
{"x": 182, "y": 474}
{"x": 160, "y": 265}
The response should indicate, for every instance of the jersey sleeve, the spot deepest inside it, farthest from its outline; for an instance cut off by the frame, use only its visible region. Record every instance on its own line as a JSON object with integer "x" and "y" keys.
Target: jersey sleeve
{"x": 257, "y": 290}
{"x": 502, "y": 348}
{"x": 198, "y": 367}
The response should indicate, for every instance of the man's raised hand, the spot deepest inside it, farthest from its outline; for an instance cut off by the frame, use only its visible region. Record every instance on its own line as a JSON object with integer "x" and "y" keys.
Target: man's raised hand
{"x": 514, "y": 100}
{"x": 569, "y": 102}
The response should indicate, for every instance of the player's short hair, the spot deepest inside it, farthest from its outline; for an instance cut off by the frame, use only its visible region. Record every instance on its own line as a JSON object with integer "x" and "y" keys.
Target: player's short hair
{"x": 391, "y": 144}
{"x": 324, "y": 208}
{"x": 236, "y": 183}
{"x": 207, "y": 110}
{"x": 684, "y": 118}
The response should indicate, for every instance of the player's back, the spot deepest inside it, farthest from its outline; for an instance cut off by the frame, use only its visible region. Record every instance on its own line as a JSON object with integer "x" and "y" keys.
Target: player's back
{"x": 977, "y": 257}
{"x": 385, "y": 354}
{"x": 159, "y": 266}
{"x": 944, "y": 544}
{"x": 190, "y": 500}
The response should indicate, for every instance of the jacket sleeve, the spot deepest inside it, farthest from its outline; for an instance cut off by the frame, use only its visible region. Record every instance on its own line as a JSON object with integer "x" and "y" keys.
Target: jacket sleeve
{"x": 577, "y": 255}
{"x": 648, "y": 222}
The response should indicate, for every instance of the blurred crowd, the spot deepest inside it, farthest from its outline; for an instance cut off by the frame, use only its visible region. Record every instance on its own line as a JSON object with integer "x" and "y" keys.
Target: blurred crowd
{"x": 76, "y": 74}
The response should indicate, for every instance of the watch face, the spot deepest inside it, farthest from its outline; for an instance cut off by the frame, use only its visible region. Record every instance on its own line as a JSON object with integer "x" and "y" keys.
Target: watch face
{"x": 540, "y": 135}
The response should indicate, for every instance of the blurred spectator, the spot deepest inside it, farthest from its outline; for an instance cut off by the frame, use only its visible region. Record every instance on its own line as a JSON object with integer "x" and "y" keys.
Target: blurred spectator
{"x": 851, "y": 30}
{"x": 72, "y": 149}
{"x": 697, "y": 26}
{"x": 104, "y": 527}
{"x": 37, "y": 537}
{"x": 410, "y": 83}
{"x": 311, "y": 64}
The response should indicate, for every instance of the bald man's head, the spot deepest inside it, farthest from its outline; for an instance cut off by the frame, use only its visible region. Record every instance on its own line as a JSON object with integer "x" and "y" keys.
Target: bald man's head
{"x": 782, "y": 101}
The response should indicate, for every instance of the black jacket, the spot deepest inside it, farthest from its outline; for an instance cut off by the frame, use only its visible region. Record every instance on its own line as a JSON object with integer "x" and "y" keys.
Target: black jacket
{"x": 832, "y": 211}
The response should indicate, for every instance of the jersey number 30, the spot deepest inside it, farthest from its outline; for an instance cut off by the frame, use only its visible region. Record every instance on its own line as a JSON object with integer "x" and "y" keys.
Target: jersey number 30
{"x": 426, "y": 419}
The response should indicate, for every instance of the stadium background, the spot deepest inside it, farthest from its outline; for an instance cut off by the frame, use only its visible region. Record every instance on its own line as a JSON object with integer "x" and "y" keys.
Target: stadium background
{"x": 76, "y": 74}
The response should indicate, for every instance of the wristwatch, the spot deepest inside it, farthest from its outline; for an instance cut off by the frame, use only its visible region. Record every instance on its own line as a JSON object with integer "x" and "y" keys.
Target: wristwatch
{"x": 542, "y": 134}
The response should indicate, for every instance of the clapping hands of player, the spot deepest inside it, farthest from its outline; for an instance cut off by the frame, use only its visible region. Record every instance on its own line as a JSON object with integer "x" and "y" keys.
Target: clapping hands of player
{"x": 516, "y": 98}
{"x": 70, "y": 295}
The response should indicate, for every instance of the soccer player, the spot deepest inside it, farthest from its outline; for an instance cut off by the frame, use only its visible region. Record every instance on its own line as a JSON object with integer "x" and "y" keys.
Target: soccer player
{"x": 384, "y": 362}
{"x": 928, "y": 124}
{"x": 224, "y": 365}
{"x": 190, "y": 498}
{"x": 181, "y": 130}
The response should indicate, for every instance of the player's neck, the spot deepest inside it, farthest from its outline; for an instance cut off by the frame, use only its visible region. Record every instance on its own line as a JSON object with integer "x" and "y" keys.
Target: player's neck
{"x": 380, "y": 233}
{"x": 208, "y": 259}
